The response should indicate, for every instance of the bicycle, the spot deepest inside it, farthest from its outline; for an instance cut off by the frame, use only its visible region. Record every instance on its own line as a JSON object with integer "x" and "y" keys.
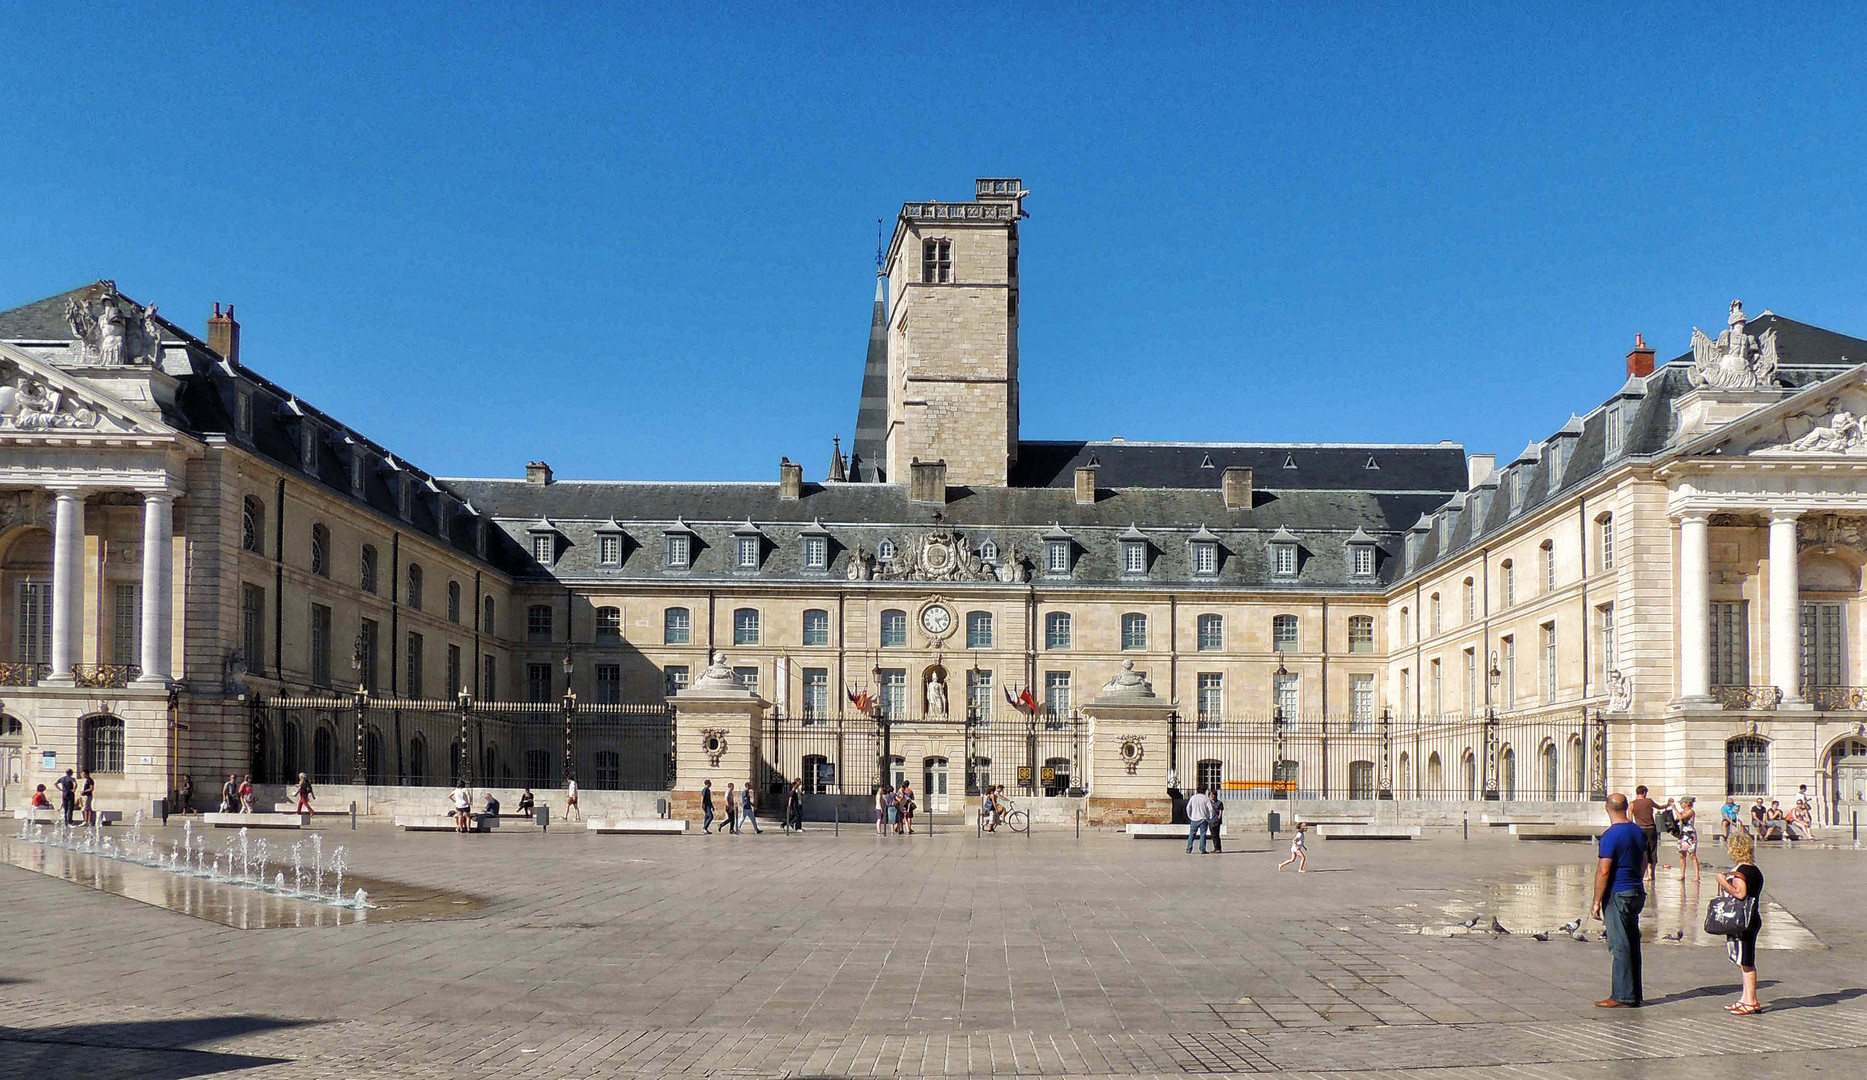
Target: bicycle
{"x": 1017, "y": 821}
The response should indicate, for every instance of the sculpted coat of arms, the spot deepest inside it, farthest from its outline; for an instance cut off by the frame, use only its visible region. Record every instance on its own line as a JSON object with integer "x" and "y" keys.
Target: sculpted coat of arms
{"x": 1737, "y": 359}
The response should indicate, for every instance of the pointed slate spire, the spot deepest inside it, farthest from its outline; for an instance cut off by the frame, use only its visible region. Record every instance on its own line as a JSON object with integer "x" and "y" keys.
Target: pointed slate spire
{"x": 866, "y": 449}
{"x": 837, "y": 473}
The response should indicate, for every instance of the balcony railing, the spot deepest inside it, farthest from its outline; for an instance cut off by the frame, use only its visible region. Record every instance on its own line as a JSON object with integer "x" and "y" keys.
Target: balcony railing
{"x": 22, "y": 673}
{"x": 104, "y": 676}
{"x": 1836, "y": 698}
{"x": 1747, "y": 697}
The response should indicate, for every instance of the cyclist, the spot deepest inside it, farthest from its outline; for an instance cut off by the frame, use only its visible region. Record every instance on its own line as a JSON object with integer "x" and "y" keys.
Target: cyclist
{"x": 990, "y": 809}
{"x": 1002, "y": 806}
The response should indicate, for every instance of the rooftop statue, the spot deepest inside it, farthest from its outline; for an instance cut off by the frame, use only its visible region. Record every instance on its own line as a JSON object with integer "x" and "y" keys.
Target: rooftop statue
{"x": 1737, "y": 360}
{"x": 112, "y": 331}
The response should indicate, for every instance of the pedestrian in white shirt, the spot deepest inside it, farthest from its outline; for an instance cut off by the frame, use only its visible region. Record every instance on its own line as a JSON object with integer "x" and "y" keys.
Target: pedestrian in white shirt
{"x": 570, "y": 802}
{"x": 1198, "y": 810}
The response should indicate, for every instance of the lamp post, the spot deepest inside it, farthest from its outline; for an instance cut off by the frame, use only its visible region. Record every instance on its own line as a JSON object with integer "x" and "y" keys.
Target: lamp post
{"x": 463, "y": 702}
{"x": 360, "y": 702}
{"x": 569, "y": 706}
{"x": 1277, "y": 731}
{"x": 1491, "y": 741}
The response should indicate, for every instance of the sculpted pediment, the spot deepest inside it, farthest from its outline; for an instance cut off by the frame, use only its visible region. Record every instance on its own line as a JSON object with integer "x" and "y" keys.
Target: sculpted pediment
{"x": 1826, "y": 421}
{"x": 38, "y": 398}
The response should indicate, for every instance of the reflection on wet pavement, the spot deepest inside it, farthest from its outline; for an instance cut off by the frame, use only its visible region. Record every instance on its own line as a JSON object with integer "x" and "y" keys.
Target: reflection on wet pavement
{"x": 242, "y": 909}
{"x": 1554, "y": 895}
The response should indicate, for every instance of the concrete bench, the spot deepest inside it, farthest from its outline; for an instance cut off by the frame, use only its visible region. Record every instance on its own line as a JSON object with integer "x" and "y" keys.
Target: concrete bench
{"x": 1528, "y": 831}
{"x": 1156, "y": 831}
{"x": 292, "y": 808}
{"x": 1368, "y": 832}
{"x": 634, "y": 826}
{"x": 256, "y": 821}
{"x": 55, "y": 815}
{"x": 1506, "y": 820}
{"x": 442, "y": 823}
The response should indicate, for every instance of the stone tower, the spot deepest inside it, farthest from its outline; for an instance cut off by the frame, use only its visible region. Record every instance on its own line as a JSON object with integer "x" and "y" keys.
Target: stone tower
{"x": 952, "y": 341}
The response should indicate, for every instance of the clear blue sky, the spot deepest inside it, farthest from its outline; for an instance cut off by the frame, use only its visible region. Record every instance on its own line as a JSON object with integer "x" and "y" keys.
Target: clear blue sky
{"x": 638, "y": 241}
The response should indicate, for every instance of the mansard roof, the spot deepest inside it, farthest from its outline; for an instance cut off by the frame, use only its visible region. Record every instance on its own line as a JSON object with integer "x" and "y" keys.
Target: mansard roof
{"x": 1278, "y": 466}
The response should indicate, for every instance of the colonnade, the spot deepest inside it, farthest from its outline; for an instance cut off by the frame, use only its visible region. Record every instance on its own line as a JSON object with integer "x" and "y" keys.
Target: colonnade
{"x": 68, "y": 585}
{"x": 1785, "y": 607}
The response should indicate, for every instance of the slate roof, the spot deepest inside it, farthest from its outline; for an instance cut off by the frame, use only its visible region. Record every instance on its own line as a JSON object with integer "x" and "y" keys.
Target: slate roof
{"x": 867, "y": 448}
{"x": 1576, "y": 453}
{"x": 44, "y": 320}
{"x": 1277, "y": 466}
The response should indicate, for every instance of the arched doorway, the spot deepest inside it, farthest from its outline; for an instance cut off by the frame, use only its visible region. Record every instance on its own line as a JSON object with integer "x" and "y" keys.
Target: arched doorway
{"x": 1361, "y": 780}
{"x": 12, "y": 756}
{"x": 934, "y": 784}
{"x": 1507, "y": 773}
{"x": 1551, "y": 771}
{"x": 324, "y": 755}
{"x": 1847, "y": 776}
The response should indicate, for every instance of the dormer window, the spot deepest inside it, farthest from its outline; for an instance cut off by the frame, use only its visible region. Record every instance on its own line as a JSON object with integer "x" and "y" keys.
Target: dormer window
{"x": 544, "y": 548}
{"x": 357, "y": 464}
{"x": 988, "y": 552}
{"x": 243, "y": 415}
{"x": 1205, "y": 548}
{"x": 308, "y": 446}
{"x": 1283, "y": 554}
{"x": 609, "y": 549}
{"x": 1059, "y": 546}
{"x": 678, "y": 551}
{"x": 1519, "y": 484}
{"x": 1361, "y": 554}
{"x": 748, "y": 546}
{"x": 1613, "y": 430}
{"x": 405, "y": 497}
{"x": 1134, "y": 545}
{"x": 816, "y": 552}
{"x": 885, "y": 551}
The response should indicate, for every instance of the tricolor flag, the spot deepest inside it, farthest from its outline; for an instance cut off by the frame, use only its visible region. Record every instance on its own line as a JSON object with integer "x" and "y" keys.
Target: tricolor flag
{"x": 861, "y": 700}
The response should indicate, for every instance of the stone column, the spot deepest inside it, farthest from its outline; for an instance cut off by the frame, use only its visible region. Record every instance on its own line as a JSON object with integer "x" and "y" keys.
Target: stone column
{"x": 1130, "y": 746}
{"x": 1695, "y": 608}
{"x": 67, "y": 583}
{"x": 158, "y": 576}
{"x": 1785, "y": 607}
{"x": 717, "y": 728}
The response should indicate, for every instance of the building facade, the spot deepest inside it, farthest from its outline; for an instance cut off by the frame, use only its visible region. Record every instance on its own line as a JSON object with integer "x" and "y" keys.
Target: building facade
{"x": 204, "y": 574}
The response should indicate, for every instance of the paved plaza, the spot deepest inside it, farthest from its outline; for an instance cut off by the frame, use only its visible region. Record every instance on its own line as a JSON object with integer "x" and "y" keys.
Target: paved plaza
{"x": 950, "y": 955}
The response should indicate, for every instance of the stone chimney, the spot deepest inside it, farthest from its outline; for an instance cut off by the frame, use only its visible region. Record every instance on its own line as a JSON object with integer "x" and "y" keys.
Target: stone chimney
{"x": 927, "y": 481}
{"x": 1639, "y": 361}
{"x": 537, "y": 472}
{"x": 790, "y": 480}
{"x": 1236, "y": 481}
{"x": 223, "y": 334}
{"x": 1478, "y": 469}
{"x": 1085, "y": 486}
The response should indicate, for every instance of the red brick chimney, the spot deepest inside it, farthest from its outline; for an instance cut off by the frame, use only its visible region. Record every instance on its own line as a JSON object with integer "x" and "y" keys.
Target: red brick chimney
{"x": 223, "y": 334}
{"x": 1639, "y": 362}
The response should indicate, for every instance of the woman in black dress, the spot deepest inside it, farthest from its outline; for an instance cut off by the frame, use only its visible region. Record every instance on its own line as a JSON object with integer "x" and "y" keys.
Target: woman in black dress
{"x": 1745, "y": 880}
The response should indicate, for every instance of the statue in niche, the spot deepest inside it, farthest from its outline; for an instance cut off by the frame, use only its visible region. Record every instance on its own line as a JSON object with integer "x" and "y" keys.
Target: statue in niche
{"x": 1737, "y": 360}
{"x": 936, "y": 695}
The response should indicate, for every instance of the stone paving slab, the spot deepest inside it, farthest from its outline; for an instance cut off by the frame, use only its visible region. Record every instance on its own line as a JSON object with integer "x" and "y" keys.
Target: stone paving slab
{"x": 860, "y": 956}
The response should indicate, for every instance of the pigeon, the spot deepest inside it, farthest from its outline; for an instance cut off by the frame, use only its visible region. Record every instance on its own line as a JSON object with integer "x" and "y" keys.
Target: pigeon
{"x": 1578, "y": 935}
{"x": 1676, "y": 935}
{"x": 1470, "y": 923}
{"x": 1570, "y": 927}
{"x": 1497, "y": 927}
{"x": 1539, "y": 937}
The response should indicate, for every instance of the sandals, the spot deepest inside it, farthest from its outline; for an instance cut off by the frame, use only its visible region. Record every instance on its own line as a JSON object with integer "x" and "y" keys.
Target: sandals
{"x": 1743, "y": 1008}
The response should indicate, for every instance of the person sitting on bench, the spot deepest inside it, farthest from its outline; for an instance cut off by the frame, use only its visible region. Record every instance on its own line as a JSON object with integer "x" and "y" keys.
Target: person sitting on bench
{"x": 525, "y": 801}
{"x": 39, "y": 801}
{"x": 492, "y": 805}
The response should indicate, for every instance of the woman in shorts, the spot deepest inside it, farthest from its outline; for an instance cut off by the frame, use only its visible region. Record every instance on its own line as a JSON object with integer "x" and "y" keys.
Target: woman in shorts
{"x": 1744, "y": 880}
{"x": 1687, "y": 817}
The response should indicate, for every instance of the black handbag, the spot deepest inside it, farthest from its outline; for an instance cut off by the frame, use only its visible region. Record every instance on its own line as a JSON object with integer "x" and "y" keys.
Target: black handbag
{"x": 1729, "y": 916}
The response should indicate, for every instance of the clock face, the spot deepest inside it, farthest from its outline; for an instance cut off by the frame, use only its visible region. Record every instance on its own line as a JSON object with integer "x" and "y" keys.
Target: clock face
{"x": 936, "y": 620}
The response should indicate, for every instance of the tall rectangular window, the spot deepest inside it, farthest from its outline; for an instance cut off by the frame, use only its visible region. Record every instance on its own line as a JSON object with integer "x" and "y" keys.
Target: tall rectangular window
{"x": 1434, "y": 607}
{"x": 894, "y": 629}
{"x": 1823, "y": 661}
{"x": 32, "y": 625}
{"x": 417, "y": 661}
{"x": 320, "y": 645}
{"x": 544, "y": 548}
{"x": 1057, "y": 557}
{"x": 1284, "y": 559}
{"x": 747, "y": 549}
{"x": 609, "y": 626}
{"x": 1470, "y": 659}
{"x": 1607, "y": 541}
{"x": 937, "y": 261}
{"x": 1730, "y": 643}
{"x": 676, "y": 627}
{"x": 816, "y": 692}
{"x": 1284, "y": 633}
{"x": 894, "y": 693}
{"x": 1133, "y": 557}
{"x": 1507, "y": 582}
{"x": 127, "y": 627}
{"x": 747, "y": 676}
{"x": 1551, "y": 673}
{"x": 1436, "y": 687}
{"x": 1605, "y": 657}
{"x": 745, "y": 626}
{"x": 252, "y": 627}
{"x": 609, "y": 549}
{"x": 979, "y": 692}
{"x": 1057, "y": 693}
{"x": 1057, "y": 630}
{"x": 1361, "y": 698}
{"x": 1361, "y": 633}
{"x": 608, "y": 683}
{"x": 1211, "y": 633}
{"x": 978, "y": 630}
{"x": 1364, "y": 560}
{"x": 538, "y": 623}
{"x": 1205, "y": 558}
{"x": 1211, "y": 695}
{"x": 367, "y": 631}
{"x": 489, "y": 678}
{"x": 1406, "y": 692}
{"x": 1507, "y": 669}
{"x": 453, "y": 670}
{"x": 1546, "y": 556}
{"x": 1134, "y": 631}
{"x": 816, "y": 628}
{"x": 1289, "y": 693}
{"x": 537, "y": 683}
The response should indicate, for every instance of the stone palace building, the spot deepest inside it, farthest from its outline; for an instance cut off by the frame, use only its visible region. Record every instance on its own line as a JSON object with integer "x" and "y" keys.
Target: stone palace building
{"x": 205, "y": 574}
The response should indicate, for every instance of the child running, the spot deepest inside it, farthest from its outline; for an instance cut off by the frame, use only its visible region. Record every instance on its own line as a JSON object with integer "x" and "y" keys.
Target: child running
{"x": 1298, "y": 853}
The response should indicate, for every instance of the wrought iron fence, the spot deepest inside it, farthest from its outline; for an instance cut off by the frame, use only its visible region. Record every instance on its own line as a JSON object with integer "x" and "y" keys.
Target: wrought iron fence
{"x": 22, "y": 673}
{"x": 1559, "y": 758}
{"x": 1037, "y": 754}
{"x": 1836, "y": 698}
{"x": 1747, "y": 697}
{"x": 832, "y": 755}
{"x": 491, "y": 744}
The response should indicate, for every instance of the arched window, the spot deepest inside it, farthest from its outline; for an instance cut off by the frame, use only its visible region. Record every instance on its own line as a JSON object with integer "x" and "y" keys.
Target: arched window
{"x": 1361, "y": 780}
{"x": 373, "y": 766}
{"x": 1578, "y": 767}
{"x": 289, "y": 753}
{"x": 253, "y": 525}
{"x": 885, "y": 550}
{"x": 988, "y": 552}
{"x": 418, "y": 761}
{"x": 1057, "y": 630}
{"x": 1403, "y": 774}
{"x": 453, "y": 601}
{"x": 609, "y": 625}
{"x": 816, "y": 627}
{"x": 414, "y": 586}
{"x": 1747, "y": 766}
{"x": 1435, "y": 777}
{"x": 324, "y": 756}
{"x": 487, "y": 622}
{"x": 103, "y": 744}
{"x": 1470, "y": 768}
{"x": 12, "y": 732}
{"x": 1507, "y": 773}
{"x": 366, "y": 569}
{"x": 320, "y": 550}
{"x": 1284, "y": 633}
{"x": 1133, "y": 631}
{"x": 1551, "y": 772}
{"x": 1605, "y": 539}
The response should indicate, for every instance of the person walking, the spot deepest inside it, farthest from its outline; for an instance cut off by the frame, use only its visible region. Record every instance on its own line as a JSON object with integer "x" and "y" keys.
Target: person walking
{"x": 303, "y": 791}
{"x": 570, "y": 801}
{"x": 1620, "y": 894}
{"x": 87, "y": 794}
{"x": 1215, "y": 822}
{"x": 881, "y": 810}
{"x": 1299, "y": 849}
{"x": 1198, "y": 809}
{"x": 906, "y": 797}
{"x": 1640, "y": 811}
{"x": 1744, "y": 881}
{"x": 230, "y": 794}
{"x": 67, "y": 794}
{"x": 246, "y": 794}
{"x": 706, "y": 807}
{"x": 748, "y": 815}
{"x": 1687, "y": 817}
{"x": 732, "y": 807}
{"x": 187, "y": 794}
{"x": 794, "y": 807}
{"x": 891, "y": 799}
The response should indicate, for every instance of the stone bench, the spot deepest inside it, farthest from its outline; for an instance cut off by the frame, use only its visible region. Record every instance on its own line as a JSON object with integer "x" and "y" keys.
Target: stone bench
{"x": 638, "y": 826}
{"x": 54, "y": 815}
{"x": 1156, "y": 831}
{"x": 1506, "y": 820}
{"x": 1526, "y": 831}
{"x": 442, "y": 823}
{"x": 1368, "y": 832}
{"x": 292, "y": 808}
{"x": 256, "y": 821}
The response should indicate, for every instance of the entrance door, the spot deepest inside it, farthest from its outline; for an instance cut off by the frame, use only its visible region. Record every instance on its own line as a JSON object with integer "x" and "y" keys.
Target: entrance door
{"x": 933, "y": 784}
{"x": 1850, "y": 765}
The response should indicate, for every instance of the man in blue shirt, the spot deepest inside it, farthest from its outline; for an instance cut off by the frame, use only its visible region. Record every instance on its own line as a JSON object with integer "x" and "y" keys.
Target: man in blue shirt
{"x": 1620, "y": 894}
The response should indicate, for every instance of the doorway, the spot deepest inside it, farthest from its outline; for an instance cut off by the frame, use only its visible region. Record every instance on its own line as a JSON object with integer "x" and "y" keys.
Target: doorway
{"x": 933, "y": 784}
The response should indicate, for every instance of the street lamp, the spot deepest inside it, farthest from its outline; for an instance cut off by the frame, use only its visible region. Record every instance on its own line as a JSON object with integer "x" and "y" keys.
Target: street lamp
{"x": 1277, "y": 730}
{"x": 1491, "y": 741}
{"x": 463, "y": 701}
{"x": 570, "y": 718}
{"x": 360, "y": 703}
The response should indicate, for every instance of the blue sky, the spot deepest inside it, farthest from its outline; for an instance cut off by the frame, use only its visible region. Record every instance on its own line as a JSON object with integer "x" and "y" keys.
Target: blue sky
{"x": 638, "y": 240}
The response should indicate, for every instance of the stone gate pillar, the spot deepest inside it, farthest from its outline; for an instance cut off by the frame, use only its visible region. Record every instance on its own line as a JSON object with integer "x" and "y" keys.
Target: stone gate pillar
{"x": 717, "y": 728}
{"x": 1129, "y": 751}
